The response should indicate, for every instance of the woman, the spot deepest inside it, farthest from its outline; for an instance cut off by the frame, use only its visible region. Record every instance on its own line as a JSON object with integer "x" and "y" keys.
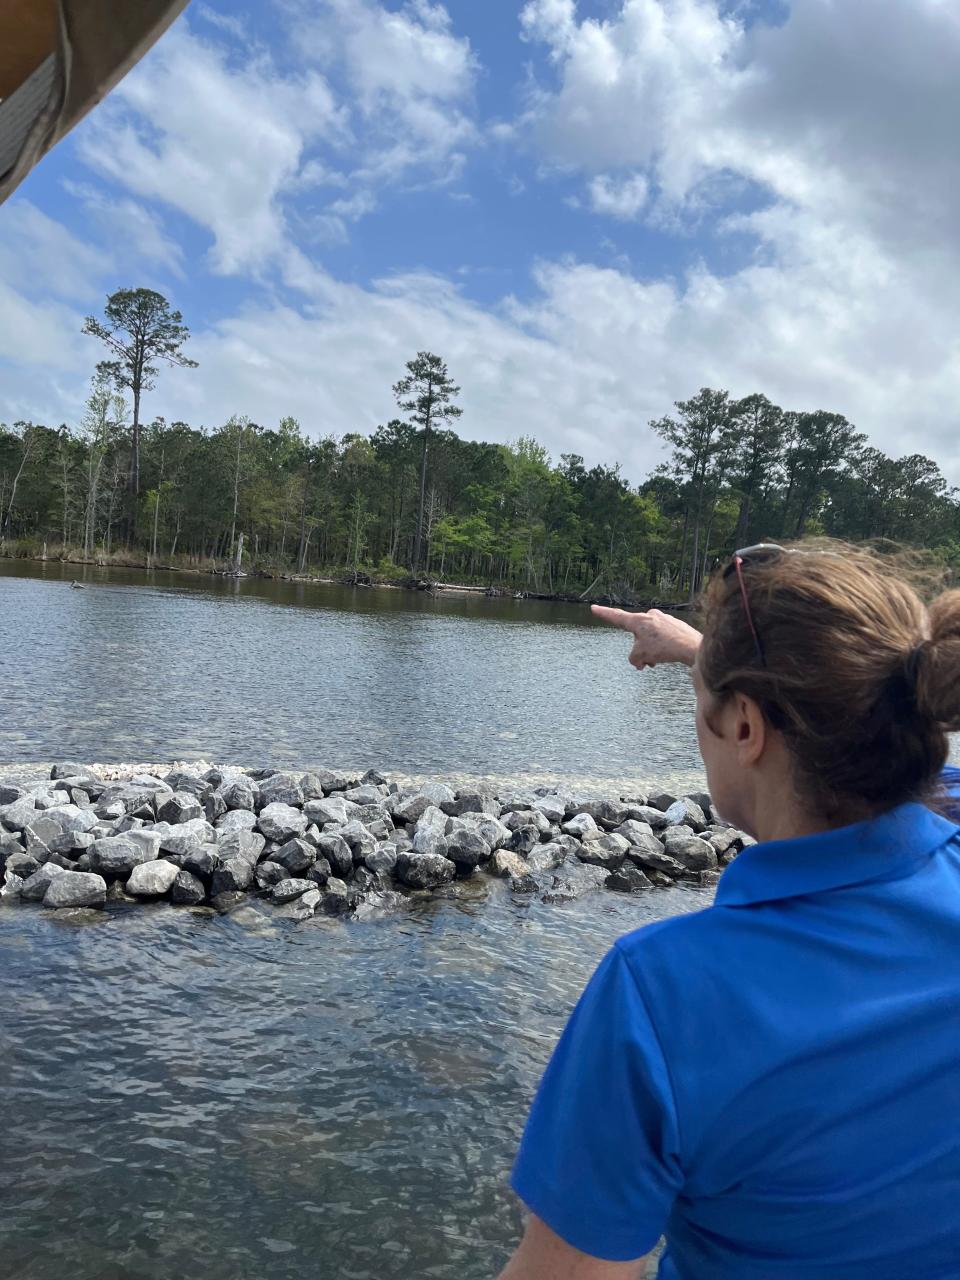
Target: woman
{"x": 774, "y": 1083}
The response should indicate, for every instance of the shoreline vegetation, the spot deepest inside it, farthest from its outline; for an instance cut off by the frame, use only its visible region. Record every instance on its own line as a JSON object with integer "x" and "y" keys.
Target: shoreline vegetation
{"x": 409, "y": 499}
{"x": 332, "y": 842}
{"x": 352, "y": 578}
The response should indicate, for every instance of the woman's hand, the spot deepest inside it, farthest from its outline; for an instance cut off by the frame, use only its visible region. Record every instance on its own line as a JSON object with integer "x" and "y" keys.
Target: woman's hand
{"x": 657, "y": 637}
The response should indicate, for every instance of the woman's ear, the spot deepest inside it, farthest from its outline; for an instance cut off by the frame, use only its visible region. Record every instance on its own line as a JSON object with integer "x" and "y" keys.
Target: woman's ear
{"x": 749, "y": 731}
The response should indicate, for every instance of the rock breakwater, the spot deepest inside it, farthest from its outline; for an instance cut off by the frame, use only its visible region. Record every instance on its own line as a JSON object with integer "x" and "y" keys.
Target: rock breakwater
{"x": 334, "y": 842}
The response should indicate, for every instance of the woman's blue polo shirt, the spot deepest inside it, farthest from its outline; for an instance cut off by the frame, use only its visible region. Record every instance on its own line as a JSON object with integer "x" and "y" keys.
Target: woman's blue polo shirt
{"x": 774, "y": 1082}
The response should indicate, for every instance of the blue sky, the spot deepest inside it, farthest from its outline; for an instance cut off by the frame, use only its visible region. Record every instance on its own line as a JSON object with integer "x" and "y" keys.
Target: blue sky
{"x": 589, "y": 209}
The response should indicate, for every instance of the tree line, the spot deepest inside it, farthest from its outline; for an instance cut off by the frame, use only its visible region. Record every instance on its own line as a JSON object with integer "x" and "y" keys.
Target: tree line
{"x": 414, "y": 497}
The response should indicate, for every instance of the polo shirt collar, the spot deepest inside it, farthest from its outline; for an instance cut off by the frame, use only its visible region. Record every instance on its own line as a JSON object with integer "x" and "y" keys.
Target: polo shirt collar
{"x": 882, "y": 847}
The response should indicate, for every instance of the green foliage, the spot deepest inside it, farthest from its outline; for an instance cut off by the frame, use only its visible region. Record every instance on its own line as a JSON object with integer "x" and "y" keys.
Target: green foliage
{"x": 412, "y": 496}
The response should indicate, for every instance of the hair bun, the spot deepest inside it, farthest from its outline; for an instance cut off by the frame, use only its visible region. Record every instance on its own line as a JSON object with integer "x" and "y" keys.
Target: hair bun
{"x": 938, "y": 664}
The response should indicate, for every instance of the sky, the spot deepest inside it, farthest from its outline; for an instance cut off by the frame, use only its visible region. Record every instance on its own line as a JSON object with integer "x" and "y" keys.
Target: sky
{"x": 589, "y": 210}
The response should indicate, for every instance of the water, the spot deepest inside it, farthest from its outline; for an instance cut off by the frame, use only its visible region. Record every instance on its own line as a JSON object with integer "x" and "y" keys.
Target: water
{"x": 187, "y": 1094}
{"x": 141, "y": 667}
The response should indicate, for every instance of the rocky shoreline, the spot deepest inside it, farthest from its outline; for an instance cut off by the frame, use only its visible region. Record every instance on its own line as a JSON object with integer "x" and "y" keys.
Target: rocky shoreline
{"x": 332, "y": 842}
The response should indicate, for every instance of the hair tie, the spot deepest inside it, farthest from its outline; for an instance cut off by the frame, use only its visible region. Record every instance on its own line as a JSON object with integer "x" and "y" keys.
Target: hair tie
{"x": 911, "y": 665}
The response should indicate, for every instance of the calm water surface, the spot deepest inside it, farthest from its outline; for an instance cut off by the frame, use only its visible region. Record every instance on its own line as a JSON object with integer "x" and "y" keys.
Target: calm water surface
{"x": 234, "y": 1097}
{"x": 155, "y": 667}
{"x": 229, "y": 1098}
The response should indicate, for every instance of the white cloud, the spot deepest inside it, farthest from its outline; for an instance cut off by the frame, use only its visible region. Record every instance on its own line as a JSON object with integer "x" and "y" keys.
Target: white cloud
{"x": 619, "y": 198}
{"x": 218, "y": 142}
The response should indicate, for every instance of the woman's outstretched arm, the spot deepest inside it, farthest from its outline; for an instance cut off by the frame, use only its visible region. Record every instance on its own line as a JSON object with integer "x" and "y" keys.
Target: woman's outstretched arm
{"x": 657, "y": 637}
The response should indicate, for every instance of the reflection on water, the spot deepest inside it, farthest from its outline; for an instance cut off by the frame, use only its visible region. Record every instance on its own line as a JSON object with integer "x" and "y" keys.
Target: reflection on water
{"x": 225, "y": 1097}
{"x": 160, "y": 666}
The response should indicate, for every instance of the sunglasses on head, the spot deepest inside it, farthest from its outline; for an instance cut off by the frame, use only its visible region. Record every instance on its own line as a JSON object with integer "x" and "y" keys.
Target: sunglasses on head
{"x": 760, "y": 553}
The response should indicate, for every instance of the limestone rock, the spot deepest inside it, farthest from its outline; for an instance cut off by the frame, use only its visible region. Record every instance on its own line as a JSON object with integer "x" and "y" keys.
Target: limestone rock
{"x": 295, "y": 856}
{"x": 76, "y": 889}
{"x": 692, "y": 852}
{"x": 280, "y": 821}
{"x": 34, "y": 888}
{"x": 152, "y": 879}
{"x": 508, "y": 865}
{"x": 545, "y": 857}
{"x": 117, "y": 855}
{"x": 628, "y": 879}
{"x": 685, "y": 813}
{"x": 288, "y": 890}
{"x": 581, "y": 825}
{"x": 424, "y": 870}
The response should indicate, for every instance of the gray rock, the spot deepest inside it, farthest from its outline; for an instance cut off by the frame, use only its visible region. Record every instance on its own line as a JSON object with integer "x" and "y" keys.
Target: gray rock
{"x": 722, "y": 838}
{"x": 581, "y": 826}
{"x": 508, "y": 865}
{"x": 336, "y": 897}
{"x": 319, "y": 873}
{"x": 10, "y": 792}
{"x": 109, "y": 810}
{"x": 201, "y": 860}
{"x": 296, "y": 856}
{"x": 702, "y": 799}
{"x": 360, "y": 840}
{"x": 281, "y": 788}
{"x": 280, "y": 821}
{"x": 287, "y": 890}
{"x": 67, "y": 769}
{"x": 685, "y": 813}
{"x": 337, "y": 853}
{"x": 605, "y": 851}
{"x": 574, "y": 879}
{"x": 466, "y": 848}
{"x": 152, "y": 879}
{"x": 377, "y": 903}
{"x": 553, "y": 807}
{"x": 187, "y": 780}
{"x": 336, "y": 779}
{"x": 34, "y": 888}
{"x": 76, "y": 889}
{"x": 242, "y": 844}
{"x": 269, "y": 873}
{"x": 628, "y": 879}
{"x": 650, "y": 856}
{"x": 311, "y": 899}
{"x": 472, "y": 800}
{"x": 366, "y": 795}
{"x": 518, "y": 818}
{"x": 517, "y": 798}
{"x": 19, "y": 814}
{"x": 524, "y": 839}
{"x": 546, "y": 857}
{"x": 117, "y": 855}
{"x": 21, "y": 864}
{"x": 241, "y": 795}
{"x": 408, "y": 806}
{"x": 428, "y": 837}
{"x": 188, "y": 889}
{"x": 634, "y": 831}
{"x": 147, "y": 839}
{"x": 708, "y": 879}
{"x": 662, "y": 800}
{"x": 10, "y": 889}
{"x": 382, "y": 861}
{"x": 491, "y": 829}
{"x": 213, "y": 805}
{"x": 692, "y": 852}
{"x": 234, "y": 875}
{"x": 608, "y": 814}
{"x": 424, "y": 870}
{"x": 330, "y": 809}
{"x": 311, "y": 786}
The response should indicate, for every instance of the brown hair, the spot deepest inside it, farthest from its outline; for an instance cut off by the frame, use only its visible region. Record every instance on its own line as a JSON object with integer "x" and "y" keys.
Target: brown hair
{"x": 862, "y": 678}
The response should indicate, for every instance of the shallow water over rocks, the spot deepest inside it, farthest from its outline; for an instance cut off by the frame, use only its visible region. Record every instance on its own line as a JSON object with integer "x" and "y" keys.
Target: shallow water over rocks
{"x": 230, "y": 1095}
